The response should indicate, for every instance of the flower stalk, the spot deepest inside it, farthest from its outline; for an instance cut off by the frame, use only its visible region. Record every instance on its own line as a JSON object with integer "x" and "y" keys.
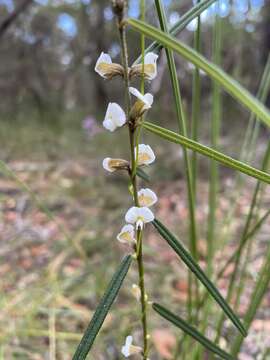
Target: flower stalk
{"x": 133, "y": 179}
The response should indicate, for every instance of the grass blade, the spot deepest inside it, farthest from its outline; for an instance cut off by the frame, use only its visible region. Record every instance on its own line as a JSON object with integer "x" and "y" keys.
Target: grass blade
{"x": 207, "y": 151}
{"x": 194, "y": 267}
{"x": 102, "y": 310}
{"x": 217, "y": 74}
{"x": 180, "y": 25}
{"x": 190, "y": 330}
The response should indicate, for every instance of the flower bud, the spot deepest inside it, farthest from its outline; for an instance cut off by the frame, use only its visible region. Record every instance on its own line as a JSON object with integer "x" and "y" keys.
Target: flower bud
{"x": 118, "y": 7}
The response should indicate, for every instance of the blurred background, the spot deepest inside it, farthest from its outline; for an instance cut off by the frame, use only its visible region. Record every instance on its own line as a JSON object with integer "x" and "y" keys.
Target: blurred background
{"x": 60, "y": 212}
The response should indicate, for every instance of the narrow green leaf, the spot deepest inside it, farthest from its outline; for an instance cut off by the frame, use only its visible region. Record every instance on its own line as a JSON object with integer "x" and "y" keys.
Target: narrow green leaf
{"x": 102, "y": 310}
{"x": 207, "y": 151}
{"x": 215, "y": 72}
{"x": 180, "y": 25}
{"x": 142, "y": 174}
{"x": 194, "y": 267}
{"x": 190, "y": 330}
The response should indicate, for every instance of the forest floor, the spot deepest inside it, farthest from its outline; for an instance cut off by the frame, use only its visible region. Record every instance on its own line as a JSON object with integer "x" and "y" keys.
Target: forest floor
{"x": 60, "y": 214}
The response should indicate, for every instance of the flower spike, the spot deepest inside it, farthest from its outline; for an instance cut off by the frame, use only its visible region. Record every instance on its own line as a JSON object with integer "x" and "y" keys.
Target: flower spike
{"x": 115, "y": 117}
{"x": 150, "y": 67}
{"x": 146, "y": 155}
{"x": 106, "y": 68}
{"x": 112, "y": 165}
{"x": 147, "y": 197}
{"x": 139, "y": 216}
{"x": 129, "y": 349}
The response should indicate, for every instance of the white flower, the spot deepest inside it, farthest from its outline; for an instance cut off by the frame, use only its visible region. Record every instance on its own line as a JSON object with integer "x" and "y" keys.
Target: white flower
{"x": 145, "y": 155}
{"x": 147, "y": 197}
{"x": 136, "y": 291}
{"x": 129, "y": 349}
{"x": 112, "y": 165}
{"x": 147, "y": 99}
{"x": 127, "y": 234}
{"x": 114, "y": 117}
{"x": 106, "y": 68}
{"x": 150, "y": 66}
{"x": 139, "y": 216}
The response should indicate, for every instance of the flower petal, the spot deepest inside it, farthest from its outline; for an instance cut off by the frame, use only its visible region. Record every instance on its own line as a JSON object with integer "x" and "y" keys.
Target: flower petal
{"x": 131, "y": 215}
{"x": 109, "y": 125}
{"x": 136, "y": 93}
{"x": 146, "y": 155}
{"x": 146, "y": 214}
{"x": 103, "y": 59}
{"x": 147, "y": 197}
{"x": 150, "y": 58}
{"x": 126, "y": 234}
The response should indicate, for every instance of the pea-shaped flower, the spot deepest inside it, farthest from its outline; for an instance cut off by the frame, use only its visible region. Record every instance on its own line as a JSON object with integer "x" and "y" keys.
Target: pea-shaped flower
{"x": 115, "y": 117}
{"x": 143, "y": 103}
{"x": 150, "y": 67}
{"x": 146, "y": 155}
{"x": 129, "y": 349}
{"x": 112, "y": 165}
{"x": 139, "y": 216}
{"x": 147, "y": 197}
{"x": 127, "y": 234}
{"x": 106, "y": 68}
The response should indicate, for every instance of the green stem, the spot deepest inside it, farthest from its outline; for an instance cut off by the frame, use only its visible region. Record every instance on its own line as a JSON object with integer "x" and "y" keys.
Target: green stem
{"x": 196, "y": 99}
{"x": 133, "y": 179}
{"x": 215, "y": 129}
{"x": 182, "y": 130}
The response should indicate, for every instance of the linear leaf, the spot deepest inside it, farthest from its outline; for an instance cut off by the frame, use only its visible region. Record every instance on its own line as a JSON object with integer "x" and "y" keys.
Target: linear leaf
{"x": 198, "y": 272}
{"x": 215, "y": 72}
{"x": 207, "y": 151}
{"x": 180, "y": 24}
{"x": 190, "y": 330}
{"x": 142, "y": 174}
{"x": 102, "y": 310}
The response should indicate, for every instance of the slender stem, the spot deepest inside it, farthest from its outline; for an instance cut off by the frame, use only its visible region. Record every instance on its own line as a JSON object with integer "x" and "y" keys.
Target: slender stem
{"x": 196, "y": 98}
{"x": 215, "y": 129}
{"x": 181, "y": 119}
{"x": 133, "y": 178}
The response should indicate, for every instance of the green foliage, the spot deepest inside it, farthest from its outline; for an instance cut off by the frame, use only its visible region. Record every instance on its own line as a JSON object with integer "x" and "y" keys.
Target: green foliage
{"x": 102, "y": 310}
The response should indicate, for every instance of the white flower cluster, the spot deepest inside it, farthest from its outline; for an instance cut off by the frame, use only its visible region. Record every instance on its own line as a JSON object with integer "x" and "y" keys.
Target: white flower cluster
{"x": 115, "y": 117}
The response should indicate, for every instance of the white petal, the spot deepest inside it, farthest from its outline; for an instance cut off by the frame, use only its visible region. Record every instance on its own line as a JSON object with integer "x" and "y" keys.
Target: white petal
{"x": 116, "y": 115}
{"x": 136, "y": 93}
{"x": 131, "y": 215}
{"x": 109, "y": 125}
{"x": 126, "y": 234}
{"x": 145, "y": 154}
{"x": 148, "y": 99}
{"x": 129, "y": 340}
{"x": 147, "y": 197}
{"x": 106, "y": 166}
{"x": 103, "y": 59}
{"x": 146, "y": 214}
{"x": 150, "y": 58}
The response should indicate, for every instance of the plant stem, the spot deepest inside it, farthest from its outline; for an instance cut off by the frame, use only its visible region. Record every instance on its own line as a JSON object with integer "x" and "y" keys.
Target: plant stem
{"x": 215, "y": 129}
{"x": 182, "y": 130}
{"x": 133, "y": 179}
